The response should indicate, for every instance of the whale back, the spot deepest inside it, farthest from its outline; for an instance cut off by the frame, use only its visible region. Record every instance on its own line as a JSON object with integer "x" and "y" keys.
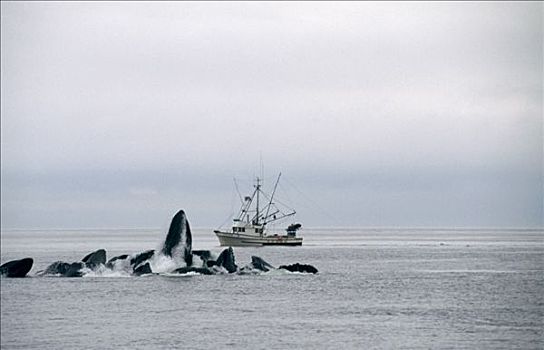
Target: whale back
{"x": 299, "y": 268}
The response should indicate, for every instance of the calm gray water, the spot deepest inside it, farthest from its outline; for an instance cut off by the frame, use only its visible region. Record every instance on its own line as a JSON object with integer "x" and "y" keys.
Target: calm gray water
{"x": 376, "y": 289}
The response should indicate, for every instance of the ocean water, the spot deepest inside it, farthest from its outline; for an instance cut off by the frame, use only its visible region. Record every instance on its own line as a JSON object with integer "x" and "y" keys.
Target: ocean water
{"x": 376, "y": 289}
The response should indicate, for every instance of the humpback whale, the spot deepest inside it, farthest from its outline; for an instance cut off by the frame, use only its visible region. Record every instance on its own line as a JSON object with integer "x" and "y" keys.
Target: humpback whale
{"x": 226, "y": 259}
{"x": 200, "y": 270}
{"x": 64, "y": 269}
{"x": 91, "y": 261}
{"x": 204, "y": 255}
{"x": 142, "y": 270}
{"x": 299, "y": 268}
{"x": 178, "y": 236}
{"x": 16, "y": 268}
{"x": 260, "y": 264}
{"x": 178, "y": 244}
{"x": 94, "y": 259}
{"x": 140, "y": 258}
{"x": 179, "y": 231}
{"x": 111, "y": 262}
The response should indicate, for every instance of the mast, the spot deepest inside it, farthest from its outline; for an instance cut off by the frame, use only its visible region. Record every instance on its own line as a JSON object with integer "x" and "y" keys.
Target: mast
{"x": 258, "y": 186}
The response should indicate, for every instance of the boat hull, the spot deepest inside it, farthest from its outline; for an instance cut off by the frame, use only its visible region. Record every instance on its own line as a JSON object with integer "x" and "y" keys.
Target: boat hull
{"x": 243, "y": 240}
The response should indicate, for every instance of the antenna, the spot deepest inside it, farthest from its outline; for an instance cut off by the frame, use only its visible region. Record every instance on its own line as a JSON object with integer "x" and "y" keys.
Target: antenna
{"x": 261, "y": 163}
{"x": 257, "y": 190}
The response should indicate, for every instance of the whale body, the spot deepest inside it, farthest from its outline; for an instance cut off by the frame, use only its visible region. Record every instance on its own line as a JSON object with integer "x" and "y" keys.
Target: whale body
{"x": 94, "y": 259}
{"x": 200, "y": 270}
{"x": 16, "y": 268}
{"x": 299, "y": 268}
{"x": 64, "y": 269}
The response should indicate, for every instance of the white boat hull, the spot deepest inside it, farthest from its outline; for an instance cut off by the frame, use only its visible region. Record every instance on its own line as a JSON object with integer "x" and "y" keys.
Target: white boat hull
{"x": 240, "y": 240}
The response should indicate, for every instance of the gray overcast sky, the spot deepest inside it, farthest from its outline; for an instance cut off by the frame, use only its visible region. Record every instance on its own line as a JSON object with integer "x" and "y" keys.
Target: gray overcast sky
{"x": 381, "y": 114}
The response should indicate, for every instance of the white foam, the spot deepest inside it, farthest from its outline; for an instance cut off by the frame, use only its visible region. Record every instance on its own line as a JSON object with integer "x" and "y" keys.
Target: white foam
{"x": 277, "y": 272}
{"x": 103, "y": 271}
{"x": 161, "y": 263}
{"x": 187, "y": 274}
{"x": 121, "y": 265}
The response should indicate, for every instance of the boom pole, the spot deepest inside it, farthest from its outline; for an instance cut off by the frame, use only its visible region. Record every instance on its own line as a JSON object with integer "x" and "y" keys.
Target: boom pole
{"x": 272, "y": 197}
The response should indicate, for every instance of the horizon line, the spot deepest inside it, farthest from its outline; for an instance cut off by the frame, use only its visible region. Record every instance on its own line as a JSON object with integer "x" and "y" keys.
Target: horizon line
{"x": 447, "y": 228}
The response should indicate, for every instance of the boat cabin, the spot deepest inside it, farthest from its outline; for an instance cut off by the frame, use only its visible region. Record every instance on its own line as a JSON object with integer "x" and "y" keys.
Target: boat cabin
{"x": 240, "y": 226}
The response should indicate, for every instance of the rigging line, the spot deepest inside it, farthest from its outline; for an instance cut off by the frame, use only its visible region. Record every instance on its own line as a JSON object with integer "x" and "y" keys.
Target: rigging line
{"x": 286, "y": 206}
{"x": 285, "y": 194}
{"x": 237, "y": 190}
{"x": 276, "y": 201}
{"x": 232, "y": 199}
{"x": 309, "y": 200}
{"x": 224, "y": 222}
{"x": 231, "y": 211}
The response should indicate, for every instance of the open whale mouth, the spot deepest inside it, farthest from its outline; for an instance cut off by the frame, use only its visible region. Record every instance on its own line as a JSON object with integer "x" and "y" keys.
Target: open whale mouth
{"x": 175, "y": 257}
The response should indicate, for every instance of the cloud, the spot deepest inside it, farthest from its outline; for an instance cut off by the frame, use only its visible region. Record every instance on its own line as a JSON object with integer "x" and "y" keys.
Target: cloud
{"x": 134, "y": 93}
{"x": 142, "y": 192}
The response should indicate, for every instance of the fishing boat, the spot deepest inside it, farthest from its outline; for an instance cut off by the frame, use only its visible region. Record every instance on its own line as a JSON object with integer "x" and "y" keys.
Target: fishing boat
{"x": 249, "y": 227}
